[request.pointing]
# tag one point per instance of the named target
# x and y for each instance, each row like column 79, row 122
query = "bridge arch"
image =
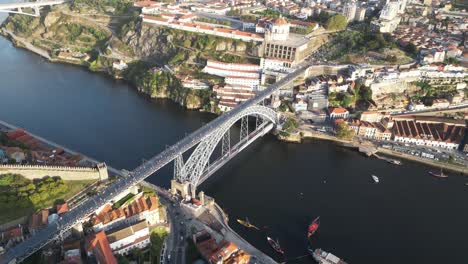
column 193, row 169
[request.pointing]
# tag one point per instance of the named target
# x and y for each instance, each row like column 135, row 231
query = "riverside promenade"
column 308, row 133
column 21, row 42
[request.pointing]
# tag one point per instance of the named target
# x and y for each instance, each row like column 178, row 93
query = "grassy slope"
column 10, row 213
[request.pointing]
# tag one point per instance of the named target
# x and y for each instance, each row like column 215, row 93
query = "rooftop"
column 126, row 232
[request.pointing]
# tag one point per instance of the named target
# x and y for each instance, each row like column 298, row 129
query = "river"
column 409, row 217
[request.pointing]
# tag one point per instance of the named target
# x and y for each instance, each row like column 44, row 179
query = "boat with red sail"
column 275, row 245
column 313, row 227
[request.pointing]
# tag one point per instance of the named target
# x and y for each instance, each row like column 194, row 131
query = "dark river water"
column 409, row 217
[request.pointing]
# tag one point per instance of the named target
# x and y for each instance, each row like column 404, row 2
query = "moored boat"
column 439, row 175
column 313, row 227
column 275, row 245
column 247, row 223
column 323, row 257
column 375, row 178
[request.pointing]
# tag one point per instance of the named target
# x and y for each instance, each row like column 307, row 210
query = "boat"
column 439, row 175
column 395, row 162
column 375, row 178
column 275, row 245
column 247, row 223
column 323, row 257
column 313, row 227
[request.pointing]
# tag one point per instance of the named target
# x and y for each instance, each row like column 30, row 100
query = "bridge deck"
column 50, row 232
column 31, row 4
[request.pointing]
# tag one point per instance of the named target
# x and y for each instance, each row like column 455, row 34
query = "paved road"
column 455, row 108
column 28, row 45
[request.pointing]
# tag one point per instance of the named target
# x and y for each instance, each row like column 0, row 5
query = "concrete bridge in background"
column 18, row 8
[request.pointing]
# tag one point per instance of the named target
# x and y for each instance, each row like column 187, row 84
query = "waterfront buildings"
column 371, row 130
column 428, row 131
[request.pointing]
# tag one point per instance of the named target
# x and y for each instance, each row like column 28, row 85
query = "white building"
column 276, row 65
column 349, row 10
column 277, row 30
column 360, row 14
column 389, row 11
column 124, row 240
column 232, row 69
column 338, row 113
column 252, row 82
column 203, row 29
column 195, row 84
column 428, row 131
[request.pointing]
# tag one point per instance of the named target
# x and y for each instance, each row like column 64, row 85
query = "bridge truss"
column 198, row 165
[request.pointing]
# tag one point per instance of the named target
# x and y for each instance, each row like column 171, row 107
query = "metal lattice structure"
column 209, row 133
column 198, row 161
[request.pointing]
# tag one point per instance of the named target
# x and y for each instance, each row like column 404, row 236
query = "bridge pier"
column 182, row 189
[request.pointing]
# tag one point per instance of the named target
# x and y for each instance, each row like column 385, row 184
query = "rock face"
column 162, row 44
column 150, row 42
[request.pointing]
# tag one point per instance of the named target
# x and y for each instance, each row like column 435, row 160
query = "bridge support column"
column 226, row 143
column 182, row 189
column 244, row 127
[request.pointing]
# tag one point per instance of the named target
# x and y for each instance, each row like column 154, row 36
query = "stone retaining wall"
column 66, row 173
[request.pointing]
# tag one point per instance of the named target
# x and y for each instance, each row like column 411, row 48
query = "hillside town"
column 383, row 77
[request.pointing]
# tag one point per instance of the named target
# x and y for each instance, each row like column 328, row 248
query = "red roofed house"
column 143, row 208
column 62, row 208
column 38, row 220
column 338, row 112
column 98, row 246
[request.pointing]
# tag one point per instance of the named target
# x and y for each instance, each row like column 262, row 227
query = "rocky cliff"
column 166, row 45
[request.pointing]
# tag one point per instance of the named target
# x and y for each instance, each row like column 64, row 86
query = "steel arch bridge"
column 202, row 136
column 198, row 163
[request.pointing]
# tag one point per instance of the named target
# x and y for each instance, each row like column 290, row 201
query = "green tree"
column 336, row 22
column 343, row 131
column 411, row 49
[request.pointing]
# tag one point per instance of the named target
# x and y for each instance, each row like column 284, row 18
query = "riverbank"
column 307, row 134
column 168, row 86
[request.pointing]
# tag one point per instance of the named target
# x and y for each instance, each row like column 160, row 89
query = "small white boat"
column 375, row 178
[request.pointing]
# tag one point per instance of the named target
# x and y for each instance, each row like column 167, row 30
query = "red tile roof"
column 62, row 208
column 337, row 110
column 99, row 245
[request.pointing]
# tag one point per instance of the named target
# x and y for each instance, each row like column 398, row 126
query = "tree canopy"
column 336, row 22
column 343, row 131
